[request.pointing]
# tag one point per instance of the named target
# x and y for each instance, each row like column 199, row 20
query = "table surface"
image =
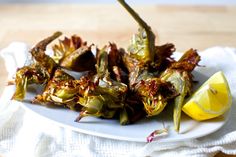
column 197, row 27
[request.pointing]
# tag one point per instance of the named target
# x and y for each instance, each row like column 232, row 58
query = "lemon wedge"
column 211, row 100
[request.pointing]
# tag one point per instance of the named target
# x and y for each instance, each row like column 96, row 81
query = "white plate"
column 135, row 132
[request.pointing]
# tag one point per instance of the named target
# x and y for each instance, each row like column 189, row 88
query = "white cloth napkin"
column 25, row 134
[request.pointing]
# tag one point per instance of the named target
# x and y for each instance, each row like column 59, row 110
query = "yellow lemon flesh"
column 211, row 100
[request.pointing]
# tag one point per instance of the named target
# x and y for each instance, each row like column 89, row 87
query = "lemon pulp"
column 211, row 100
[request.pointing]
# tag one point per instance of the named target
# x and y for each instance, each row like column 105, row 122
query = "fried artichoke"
column 38, row 72
column 114, row 82
column 179, row 74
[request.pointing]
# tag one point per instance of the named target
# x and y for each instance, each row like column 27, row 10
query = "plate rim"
column 117, row 137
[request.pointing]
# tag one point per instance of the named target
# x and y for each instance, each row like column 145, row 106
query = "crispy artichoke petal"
column 143, row 44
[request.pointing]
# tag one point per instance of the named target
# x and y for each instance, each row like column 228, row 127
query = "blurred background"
column 183, row 22
column 177, row 2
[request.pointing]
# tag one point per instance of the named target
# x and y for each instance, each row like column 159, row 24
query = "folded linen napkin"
column 23, row 133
